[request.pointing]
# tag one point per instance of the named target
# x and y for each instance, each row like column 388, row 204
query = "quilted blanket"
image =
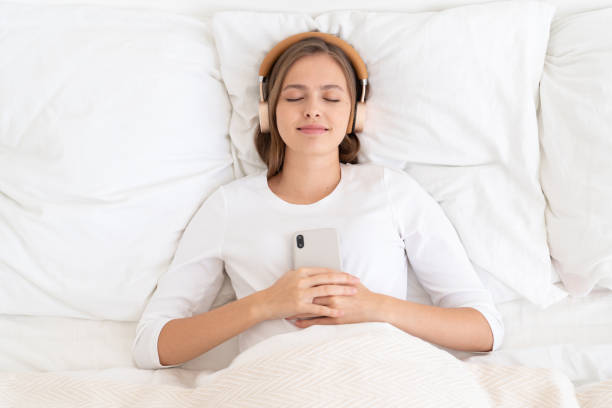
column 357, row 365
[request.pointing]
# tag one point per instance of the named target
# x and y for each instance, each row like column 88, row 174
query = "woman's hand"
column 295, row 291
column 360, row 307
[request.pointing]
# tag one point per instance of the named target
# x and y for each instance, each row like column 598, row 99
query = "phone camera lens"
column 300, row 241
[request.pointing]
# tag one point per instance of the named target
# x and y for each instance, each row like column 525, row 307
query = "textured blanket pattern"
column 362, row 365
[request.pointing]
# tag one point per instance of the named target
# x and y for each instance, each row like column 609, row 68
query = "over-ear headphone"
column 357, row 118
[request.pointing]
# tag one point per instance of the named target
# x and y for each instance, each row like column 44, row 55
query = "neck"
column 306, row 180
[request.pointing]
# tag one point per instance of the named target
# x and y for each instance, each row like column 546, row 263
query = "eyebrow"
column 324, row 87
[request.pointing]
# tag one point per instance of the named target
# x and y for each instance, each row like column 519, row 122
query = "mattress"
column 573, row 336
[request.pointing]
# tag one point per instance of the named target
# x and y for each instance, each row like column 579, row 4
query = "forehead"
column 315, row 70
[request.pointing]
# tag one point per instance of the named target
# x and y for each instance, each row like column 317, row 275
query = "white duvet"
column 367, row 364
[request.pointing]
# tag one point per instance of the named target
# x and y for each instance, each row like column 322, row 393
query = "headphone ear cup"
column 351, row 122
column 264, row 122
column 360, row 115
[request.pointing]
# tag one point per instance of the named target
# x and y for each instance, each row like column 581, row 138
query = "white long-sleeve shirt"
column 393, row 235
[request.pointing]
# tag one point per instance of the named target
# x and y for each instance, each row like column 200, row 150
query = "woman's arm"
column 184, row 339
column 464, row 316
column 462, row 328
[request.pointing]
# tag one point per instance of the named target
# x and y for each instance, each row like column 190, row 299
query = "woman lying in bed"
column 388, row 226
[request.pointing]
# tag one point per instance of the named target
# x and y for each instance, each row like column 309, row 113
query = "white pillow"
column 576, row 135
column 113, row 131
column 453, row 102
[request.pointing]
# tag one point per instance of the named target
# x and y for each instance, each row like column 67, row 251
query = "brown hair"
column 270, row 146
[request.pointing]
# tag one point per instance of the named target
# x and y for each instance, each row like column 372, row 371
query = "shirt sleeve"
column 192, row 281
column 436, row 253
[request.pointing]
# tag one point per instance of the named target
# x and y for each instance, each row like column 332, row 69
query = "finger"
column 300, row 316
column 322, row 300
column 325, row 311
column 313, row 270
column 307, row 323
column 331, row 290
column 331, row 278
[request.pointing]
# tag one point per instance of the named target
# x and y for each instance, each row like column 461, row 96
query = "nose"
column 312, row 110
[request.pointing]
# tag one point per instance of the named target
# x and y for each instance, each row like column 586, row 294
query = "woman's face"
column 314, row 106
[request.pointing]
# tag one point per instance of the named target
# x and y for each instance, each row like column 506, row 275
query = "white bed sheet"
column 201, row 8
column 573, row 336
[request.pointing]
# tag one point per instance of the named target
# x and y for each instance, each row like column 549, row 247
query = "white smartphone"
column 319, row 248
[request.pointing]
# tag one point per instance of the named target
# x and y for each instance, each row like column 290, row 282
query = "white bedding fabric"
column 113, row 131
column 366, row 364
column 201, row 8
column 573, row 336
column 575, row 129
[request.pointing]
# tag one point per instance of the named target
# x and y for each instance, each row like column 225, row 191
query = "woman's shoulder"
column 365, row 170
column 393, row 177
column 398, row 183
column 249, row 182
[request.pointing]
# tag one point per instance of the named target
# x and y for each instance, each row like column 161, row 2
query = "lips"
column 312, row 129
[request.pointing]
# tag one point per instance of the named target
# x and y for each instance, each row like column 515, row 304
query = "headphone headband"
column 272, row 56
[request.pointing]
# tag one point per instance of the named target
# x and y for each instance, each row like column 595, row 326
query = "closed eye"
column 297, row 99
